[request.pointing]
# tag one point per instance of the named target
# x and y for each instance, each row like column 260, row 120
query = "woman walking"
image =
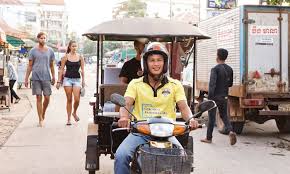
column 12, row 79
column 73, row 80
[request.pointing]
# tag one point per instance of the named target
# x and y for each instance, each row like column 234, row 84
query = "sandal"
column 17, row 101
column 68, row 124
column 76, row 117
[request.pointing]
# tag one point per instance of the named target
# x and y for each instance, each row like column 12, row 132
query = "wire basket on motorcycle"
column 171, row 160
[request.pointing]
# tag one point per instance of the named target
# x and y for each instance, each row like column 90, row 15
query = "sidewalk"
column 9, row 120
column 55, row 148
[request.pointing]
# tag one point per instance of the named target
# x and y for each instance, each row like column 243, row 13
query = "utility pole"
column 199, row 11
column 170, row 9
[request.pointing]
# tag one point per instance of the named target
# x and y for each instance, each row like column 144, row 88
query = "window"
column 30, row 16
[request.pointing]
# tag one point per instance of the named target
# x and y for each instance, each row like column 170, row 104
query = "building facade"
column 184, row 10
column 33, row 16
column 211, row 8
column 54, row 20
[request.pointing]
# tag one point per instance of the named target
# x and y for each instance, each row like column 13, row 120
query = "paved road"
column 257, row 152
column 253, row 154
column 59, row 149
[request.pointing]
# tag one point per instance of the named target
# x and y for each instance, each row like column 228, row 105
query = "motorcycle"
column 159, row 155
column 175, row 34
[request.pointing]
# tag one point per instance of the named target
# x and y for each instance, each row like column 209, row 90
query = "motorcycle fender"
column 92, row 152
column 92, row 128
column 157, row 144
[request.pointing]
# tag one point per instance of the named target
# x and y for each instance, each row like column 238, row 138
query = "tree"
column 277, row 2
column 130, row 8
column 112, row 45
column 89, row 47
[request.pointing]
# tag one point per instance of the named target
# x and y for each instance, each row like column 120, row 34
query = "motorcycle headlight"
column 161, row 129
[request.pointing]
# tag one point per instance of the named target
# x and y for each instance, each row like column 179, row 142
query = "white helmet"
column 155, row 48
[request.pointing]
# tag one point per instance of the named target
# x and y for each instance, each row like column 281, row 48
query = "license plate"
column 157, row 144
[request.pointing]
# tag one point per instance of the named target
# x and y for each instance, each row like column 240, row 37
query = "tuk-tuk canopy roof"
column 129, row 29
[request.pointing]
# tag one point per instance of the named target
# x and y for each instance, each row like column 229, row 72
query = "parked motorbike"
column 159, row 155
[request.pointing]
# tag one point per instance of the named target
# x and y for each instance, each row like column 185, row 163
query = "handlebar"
column 120, row 129
column 117, row 128
column 200, row 126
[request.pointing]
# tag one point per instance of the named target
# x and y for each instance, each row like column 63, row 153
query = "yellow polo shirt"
column 159, row 103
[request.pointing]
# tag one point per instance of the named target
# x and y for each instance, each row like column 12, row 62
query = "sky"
column 85, row 14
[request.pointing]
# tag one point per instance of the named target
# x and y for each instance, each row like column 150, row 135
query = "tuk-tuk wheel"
column 92, row 172
column 112, row 156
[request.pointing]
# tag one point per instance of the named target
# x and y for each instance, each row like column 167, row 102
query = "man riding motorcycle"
column 154, row 94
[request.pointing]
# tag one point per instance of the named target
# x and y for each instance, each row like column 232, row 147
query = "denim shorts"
column 40, row 87
column 72, row 82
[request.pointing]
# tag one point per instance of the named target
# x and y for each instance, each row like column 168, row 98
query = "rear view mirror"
column 206, row 106
column 118, row 100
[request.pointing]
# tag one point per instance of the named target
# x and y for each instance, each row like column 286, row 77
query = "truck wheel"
column 238, row 127
column 92, row 172
column 283, row 124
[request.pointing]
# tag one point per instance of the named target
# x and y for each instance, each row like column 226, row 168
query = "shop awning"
column 14, row 41
column 11, row 31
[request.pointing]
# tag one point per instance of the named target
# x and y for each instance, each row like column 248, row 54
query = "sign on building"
column 226, row 36
column 222, row 4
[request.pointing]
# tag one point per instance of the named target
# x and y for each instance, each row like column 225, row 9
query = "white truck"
column 257, row 38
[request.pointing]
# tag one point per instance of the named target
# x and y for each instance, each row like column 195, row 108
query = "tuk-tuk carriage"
column 99, row 138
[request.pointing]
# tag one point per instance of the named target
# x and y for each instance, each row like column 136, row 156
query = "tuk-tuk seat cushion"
column 188, row 93
column 106, row 90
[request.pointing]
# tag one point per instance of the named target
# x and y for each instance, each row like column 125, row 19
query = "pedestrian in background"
column 221, row 78
column 132, row 68
column 41, row 64
column 73, row 80
column 12, row 79
column 21, row 69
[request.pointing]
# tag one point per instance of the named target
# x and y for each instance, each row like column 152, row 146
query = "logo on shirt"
column 165, row 92
column 149, row 111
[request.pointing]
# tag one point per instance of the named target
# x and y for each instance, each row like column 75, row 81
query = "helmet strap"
column 156, row 78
